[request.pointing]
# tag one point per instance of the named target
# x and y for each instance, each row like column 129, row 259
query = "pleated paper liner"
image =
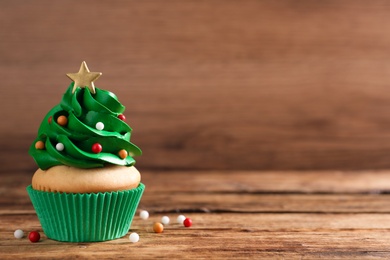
column 86, row 217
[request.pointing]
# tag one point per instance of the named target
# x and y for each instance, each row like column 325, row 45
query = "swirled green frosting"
column 83, row 111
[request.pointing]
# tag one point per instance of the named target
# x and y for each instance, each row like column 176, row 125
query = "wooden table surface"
column 291, row 215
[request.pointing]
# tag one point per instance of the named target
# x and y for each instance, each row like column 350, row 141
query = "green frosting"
column 83, row 111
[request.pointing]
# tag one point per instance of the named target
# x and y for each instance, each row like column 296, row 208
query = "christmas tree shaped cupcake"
column 86, row 187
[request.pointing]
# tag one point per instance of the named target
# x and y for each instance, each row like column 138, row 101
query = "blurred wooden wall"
column 213, row 84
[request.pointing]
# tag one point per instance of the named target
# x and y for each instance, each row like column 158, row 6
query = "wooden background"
column 216, row 84
column 266, row 122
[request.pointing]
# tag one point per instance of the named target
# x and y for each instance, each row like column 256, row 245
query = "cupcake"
column 86, row 188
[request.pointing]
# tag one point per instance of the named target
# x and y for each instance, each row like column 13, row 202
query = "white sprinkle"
column 134, row 237
column 180, row 219
column 165, row 220
column 99, row 126
column 144, row 214
column 60, row 147
column 18, row 234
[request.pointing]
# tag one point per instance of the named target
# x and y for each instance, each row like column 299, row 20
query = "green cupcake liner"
column 86, row 217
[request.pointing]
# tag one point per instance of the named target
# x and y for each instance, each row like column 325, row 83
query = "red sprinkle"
column 97, row 148
column 50, row 118
column 187, row 222
column 34, row 236
column 122, row 117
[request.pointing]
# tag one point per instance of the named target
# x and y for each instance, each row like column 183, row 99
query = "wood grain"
column 242, row 221
column 271, row 236
column 258, row 192
column 210, row 84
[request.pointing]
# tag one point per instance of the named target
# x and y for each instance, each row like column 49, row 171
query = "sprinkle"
column 180, row 219
column 60, row 147
column 165, row 220
column 158, row 227
column 122, row 117
column 122, row 154
column 62, row 120
column 97, row 148
column 134, row 237
column 99, row 126
column 34, row 236
column 144, row 214
column 39, row 145
column 187, row 222
column 18, row 234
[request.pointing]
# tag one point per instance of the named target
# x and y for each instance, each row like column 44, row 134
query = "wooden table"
column 312, row 214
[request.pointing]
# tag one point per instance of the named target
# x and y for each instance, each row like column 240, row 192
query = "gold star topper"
column 84, row 78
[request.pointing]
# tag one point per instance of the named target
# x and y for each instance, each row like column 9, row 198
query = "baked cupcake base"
column 68, row 179
column 86, row 217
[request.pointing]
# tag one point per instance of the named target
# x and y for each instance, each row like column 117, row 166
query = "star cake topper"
column 84, row 78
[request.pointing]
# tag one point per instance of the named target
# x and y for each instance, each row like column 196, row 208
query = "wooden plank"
column 288, row 182
column 210, row 84
column 253, row 203
column 241, row 192
column 249, row 203
column 225, row 235
column 237, row 222
column 277, row 182
column 256, row 219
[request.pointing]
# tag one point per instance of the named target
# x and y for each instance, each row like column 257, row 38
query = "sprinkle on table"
column 18, row 234
column 144, row 214
column 165, row 220
column 187, row 222
column 158, row 227
column 180, row 219
column 134, row 237
column 34, row 236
